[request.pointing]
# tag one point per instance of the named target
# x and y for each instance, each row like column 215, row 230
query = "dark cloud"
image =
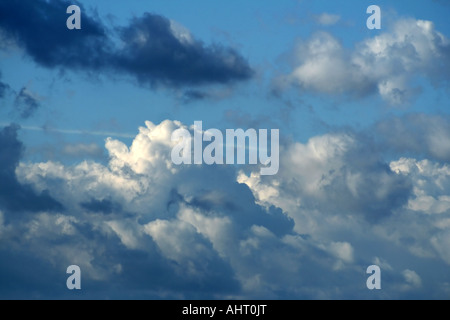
column 14, row 195
column 106, row 206
column 40, row 27
column 26, row 103
column 154, row 51
column 417, row 135
column 156, row 54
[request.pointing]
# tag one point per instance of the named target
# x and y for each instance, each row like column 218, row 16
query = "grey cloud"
column 40, row 27
column 417, row 135
column 327, row 19
column 154, row 50
column 3, row 89
column 14, row 195
column 194, row 95
column 342, row 174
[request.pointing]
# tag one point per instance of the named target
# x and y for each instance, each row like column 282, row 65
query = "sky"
column 86, row 177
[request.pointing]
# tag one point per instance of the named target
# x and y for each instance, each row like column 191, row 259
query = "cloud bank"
column 140, row 226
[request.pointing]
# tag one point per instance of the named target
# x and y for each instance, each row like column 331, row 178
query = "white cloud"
column 181, row 33
column 383, row 64
column 128, row 233
column 301, row 233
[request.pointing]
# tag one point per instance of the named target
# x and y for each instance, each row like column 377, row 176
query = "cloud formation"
column 40, row 28
column 152, row 49
column 156, row 50
column 140, row 226
column 384, row 64
column 338, row 174
column 26, row 103
column 3, row 88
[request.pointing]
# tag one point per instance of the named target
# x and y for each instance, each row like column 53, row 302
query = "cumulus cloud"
column 384, row 64
column 144, row 204
column 27, row 103
column 139, row 226
column 430, row 198
column 152, row 48
column 323, row 67
column 335, row 189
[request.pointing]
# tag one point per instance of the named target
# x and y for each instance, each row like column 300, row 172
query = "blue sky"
column 364, row 162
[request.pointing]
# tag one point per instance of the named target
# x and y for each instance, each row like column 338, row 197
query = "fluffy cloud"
column 140, row 226
column 383, row 64
column 189, row 220
column 152, row 49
